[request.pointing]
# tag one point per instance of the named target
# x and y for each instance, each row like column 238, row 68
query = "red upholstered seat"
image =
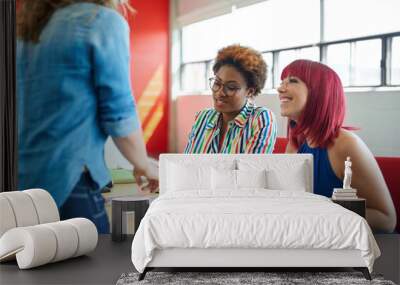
column 390, row 167
column 280, row 145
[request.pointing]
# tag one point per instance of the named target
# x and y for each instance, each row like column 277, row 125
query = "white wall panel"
column 190, row 11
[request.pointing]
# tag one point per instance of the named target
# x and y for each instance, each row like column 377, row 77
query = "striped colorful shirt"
column 253, row 130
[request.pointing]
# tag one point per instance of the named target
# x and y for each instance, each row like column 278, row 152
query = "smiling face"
column 230, row 91
column 293, row 94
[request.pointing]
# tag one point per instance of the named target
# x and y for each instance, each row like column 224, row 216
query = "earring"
column 251, row 99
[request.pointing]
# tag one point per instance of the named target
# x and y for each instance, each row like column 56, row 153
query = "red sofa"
column 389, row 167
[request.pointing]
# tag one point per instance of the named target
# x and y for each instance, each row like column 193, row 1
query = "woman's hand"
column 147, row 179
column 145, row 170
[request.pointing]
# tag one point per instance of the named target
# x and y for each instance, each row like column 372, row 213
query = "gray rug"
column 230, row 278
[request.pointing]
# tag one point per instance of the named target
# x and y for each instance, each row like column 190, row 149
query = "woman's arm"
column 133, row 149
column 116, row 108
column 264, row 131
column 290, row 148
column 367, row 179
column 200, row 122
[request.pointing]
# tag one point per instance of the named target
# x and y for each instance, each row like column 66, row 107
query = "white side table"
column 120, row 205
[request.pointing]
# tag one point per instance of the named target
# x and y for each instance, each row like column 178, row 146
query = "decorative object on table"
column 347, row 192
column 344, row 194
column 244, row 278
column 31, row 231
column 347, row 174
column 122, row 209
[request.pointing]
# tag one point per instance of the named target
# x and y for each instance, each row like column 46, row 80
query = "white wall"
column 376, row 113
column 378, row 116
column 190, row 11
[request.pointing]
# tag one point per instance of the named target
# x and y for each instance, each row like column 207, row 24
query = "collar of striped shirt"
column 240, row 120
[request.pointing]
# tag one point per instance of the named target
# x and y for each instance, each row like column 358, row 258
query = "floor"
column 388, row 264
column 102, row 266
column 110, row 259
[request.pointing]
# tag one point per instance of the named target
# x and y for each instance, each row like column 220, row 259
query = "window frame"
column 385, row 64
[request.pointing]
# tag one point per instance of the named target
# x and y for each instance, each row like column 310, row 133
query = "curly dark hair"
column 247, row 61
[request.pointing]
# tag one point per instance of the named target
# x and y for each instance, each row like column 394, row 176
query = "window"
column 269, row 60
column 344, row 19
column 286, row 57
column 210, row 72
column 394, row 78
column 193, row 77
column 357, row 63
column 367, row 60
column 338, row 58
column 275, row 24
column 349, row 42
column 202, row 40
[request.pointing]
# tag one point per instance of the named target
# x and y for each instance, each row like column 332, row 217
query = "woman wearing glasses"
column 235, row 124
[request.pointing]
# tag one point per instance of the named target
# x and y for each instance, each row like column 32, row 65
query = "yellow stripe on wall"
column 154, row 121
column 151, row 93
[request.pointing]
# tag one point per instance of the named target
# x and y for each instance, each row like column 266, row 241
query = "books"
column 122, row 176
column 344, row 194
column 340, row 190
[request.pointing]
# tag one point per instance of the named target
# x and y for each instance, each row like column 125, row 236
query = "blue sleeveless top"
column 324, row 177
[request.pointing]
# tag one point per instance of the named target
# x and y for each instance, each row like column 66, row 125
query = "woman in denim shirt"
column 73, row 91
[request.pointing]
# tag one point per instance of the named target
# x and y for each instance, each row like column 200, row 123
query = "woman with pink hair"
column 312, row 97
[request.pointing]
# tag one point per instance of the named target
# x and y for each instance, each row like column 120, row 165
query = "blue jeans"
column 86, row 201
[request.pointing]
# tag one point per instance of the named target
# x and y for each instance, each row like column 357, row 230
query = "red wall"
column 149, row 59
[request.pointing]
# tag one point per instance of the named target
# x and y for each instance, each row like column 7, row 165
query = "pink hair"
column 324, row 112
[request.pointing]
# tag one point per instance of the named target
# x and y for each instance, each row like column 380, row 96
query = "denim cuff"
column 121, row 128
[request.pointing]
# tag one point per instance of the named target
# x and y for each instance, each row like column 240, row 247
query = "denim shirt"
column 73, row 91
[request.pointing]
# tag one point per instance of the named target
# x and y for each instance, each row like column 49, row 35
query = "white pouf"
column 31, row 230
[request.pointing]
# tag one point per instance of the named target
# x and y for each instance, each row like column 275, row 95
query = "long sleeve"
column 264, row 131
column 116, row 105
column 192, row 135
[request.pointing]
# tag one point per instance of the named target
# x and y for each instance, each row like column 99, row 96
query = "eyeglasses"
column 229, row 89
